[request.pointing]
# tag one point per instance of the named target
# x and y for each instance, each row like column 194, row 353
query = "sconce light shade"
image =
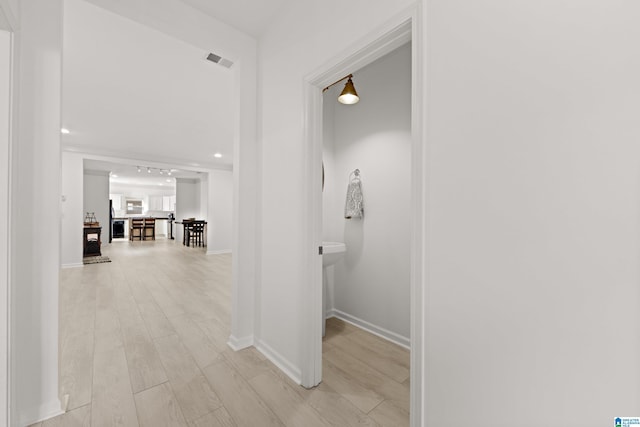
column 349, row 94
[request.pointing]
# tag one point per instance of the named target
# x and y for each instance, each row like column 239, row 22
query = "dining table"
column 188, row 225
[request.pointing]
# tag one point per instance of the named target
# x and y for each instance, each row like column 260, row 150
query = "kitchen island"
column 162, row 227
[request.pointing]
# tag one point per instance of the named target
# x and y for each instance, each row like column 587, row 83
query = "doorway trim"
column 404, row 27
column 9, row 20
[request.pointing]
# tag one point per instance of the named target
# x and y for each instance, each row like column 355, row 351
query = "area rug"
column 95, row 259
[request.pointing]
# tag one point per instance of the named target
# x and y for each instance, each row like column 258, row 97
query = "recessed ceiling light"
column 139, row 170
column 64, row 131
column 168, row 180
column 148, row 170
column 217, row 155
column 160, row 183
column 114, row 176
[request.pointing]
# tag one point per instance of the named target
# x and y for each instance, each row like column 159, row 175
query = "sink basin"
column 332, row 252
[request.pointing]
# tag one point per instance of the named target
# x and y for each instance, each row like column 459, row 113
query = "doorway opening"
column 366, row 238
column 396, row 33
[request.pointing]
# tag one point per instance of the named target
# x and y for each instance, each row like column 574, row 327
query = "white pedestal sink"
column 331, row 253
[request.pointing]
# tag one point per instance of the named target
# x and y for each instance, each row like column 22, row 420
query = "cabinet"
column 169, row 203
column 117, row 201
column 155, row 203
column 92, row 242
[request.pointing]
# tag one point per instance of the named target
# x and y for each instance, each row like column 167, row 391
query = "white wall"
column 534, row 212
column 204, row 197
column 35, row 212
column 220, row 218
column 10, row 8
column 5, row 128
column 372, row 284
column 140, row 191
column 187, row 202
column 72, row 210
column 301, row 39
column 96, row 198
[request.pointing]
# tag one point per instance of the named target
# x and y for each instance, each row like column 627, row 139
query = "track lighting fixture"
column 151, row 170
column 348, row 95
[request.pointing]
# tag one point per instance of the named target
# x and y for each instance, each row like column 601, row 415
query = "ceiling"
column 128, row 175
column 249, row 16
column 132, row 92
column 4, row 24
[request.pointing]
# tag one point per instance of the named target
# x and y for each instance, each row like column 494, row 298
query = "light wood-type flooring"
column 143, row 343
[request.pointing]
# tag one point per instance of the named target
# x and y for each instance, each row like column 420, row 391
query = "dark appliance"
column 118, row 229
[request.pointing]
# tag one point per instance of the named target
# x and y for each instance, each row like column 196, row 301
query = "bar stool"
column 149, row 225
column 136, row 224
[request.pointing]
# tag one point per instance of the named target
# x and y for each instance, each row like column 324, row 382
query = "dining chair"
column 196, row 233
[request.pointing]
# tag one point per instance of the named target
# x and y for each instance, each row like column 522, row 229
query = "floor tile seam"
column 150, row 387
column 126, row 357
column 164, row 315
column 368, row 365
column 374, row 408
column 356, row 378
column 388, row 349
column 200, row 370
column 303, row 399
column 260, row 399
column 193, row 422
column 93, row 352
column 211, row 388
column 213, row 341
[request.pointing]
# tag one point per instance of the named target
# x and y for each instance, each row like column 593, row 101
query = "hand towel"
column 353, row 207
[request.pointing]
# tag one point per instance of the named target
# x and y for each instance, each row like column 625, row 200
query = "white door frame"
column 5, row 219
column 397, row 31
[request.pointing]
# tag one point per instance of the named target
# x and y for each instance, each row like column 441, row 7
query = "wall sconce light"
column 348, row 95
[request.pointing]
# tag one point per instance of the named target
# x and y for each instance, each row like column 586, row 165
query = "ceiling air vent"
column 219, row 60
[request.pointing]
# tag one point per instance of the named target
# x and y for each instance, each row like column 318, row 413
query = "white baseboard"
column 73, row 265
column 281, row 362
column 240, row 343
column 43, row 413
column 219, row 252
column 370, row 327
